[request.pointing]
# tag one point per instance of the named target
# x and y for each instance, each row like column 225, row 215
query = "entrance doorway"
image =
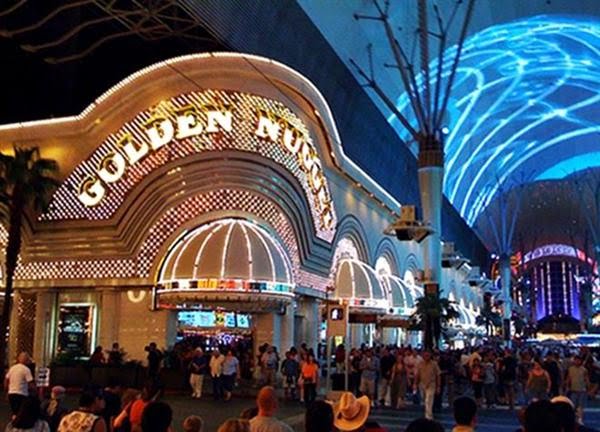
column 222, row 330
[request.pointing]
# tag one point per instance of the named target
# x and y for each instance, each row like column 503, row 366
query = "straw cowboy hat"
column 564, row 399
column 351, row 413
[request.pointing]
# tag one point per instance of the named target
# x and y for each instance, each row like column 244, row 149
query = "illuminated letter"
column 292, row 135
column 222, row 118
column 307, row 157
column 323, row 198
column 187, row 124
column 266, row 127
column 327, row 218
column 160, row 133
column 92, row 192
column 132, row 152
column 316, row 176
column 112, row 168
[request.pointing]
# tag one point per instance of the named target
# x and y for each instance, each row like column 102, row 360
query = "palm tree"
column 488, row 317
column 26, row 183
column 432, row 314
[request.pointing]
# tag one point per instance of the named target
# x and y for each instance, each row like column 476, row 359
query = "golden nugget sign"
column 201, row 123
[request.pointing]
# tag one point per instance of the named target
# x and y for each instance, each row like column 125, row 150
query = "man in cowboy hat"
column 351, row 414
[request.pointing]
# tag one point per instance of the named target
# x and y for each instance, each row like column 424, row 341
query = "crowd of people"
column 395, row 376
column 557, row 383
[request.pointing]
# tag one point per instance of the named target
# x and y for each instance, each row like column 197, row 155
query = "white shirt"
column 216, row 365
column 19, row 376
column 410, row 363
column 268, row 424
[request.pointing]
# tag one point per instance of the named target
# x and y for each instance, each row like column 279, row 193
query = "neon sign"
column 205, row 125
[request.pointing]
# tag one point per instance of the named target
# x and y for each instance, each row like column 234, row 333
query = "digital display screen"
column 230, row 319
column 197, row 319
column 74, row 329
column 243, row 321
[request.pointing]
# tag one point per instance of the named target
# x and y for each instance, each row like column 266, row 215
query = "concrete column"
column 311, row 322
column 267, row 329
column 357, row 335
column 13, row 328
column 110, row 306
column 505, row 276
column 389, row 335
column 287, row 330
column 139, row 325
column 44, row 328
column 430, row 185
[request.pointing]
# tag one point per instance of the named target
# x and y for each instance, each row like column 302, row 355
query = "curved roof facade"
column 358, row 283
column 228, row 249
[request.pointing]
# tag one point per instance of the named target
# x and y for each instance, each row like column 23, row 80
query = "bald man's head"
column 266, row 401
column 23, row 358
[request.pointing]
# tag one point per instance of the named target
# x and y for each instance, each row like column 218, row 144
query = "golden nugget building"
column 208, row 194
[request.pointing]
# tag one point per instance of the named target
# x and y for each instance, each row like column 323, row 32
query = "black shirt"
column 386, row 364
column 198, row 365
column 154, row 358
column 509, row 369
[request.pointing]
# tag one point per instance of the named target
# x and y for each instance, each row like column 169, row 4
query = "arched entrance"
column 229, row 282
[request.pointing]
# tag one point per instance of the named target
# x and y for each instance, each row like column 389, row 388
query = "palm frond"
column 45, row 166
column 29, row 175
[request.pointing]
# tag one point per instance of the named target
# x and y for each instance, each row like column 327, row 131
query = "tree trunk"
column 428, row 337
column 13, row 248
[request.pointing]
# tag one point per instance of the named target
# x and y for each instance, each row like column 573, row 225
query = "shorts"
column 579, row 399
column 15, row 400
column 367, row 387
column 289, row 382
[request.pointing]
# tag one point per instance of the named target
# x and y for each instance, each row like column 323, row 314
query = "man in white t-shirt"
column 19, row 382
column 216, row 370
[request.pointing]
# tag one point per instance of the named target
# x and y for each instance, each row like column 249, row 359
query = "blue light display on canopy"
column 525, row 104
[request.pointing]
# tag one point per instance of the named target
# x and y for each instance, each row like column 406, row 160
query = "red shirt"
column 136, row 411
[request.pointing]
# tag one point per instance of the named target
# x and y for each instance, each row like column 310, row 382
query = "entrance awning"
column 357, row 284
column 401, row 296
column 229, row 263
